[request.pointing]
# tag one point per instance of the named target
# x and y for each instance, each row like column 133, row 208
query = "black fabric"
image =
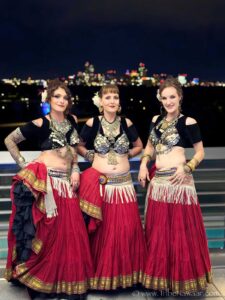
column 130, row 131
column 41, row 134
column 88, row 133
column 194, row 134
column 23, row 225
column 86, row 218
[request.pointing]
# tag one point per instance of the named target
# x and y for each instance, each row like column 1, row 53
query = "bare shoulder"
column 90, row 122
column 38, row 122
column 75, row 118
column 129, row 122
column 190, row 121
column 155, row 118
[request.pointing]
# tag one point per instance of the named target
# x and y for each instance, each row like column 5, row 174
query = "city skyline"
column 48, row 39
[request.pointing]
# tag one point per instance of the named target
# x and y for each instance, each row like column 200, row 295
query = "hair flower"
column 96, row 99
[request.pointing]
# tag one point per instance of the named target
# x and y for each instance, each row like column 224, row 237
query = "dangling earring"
column 180, row 108
column 100, row 109
column 162, row 111
column 119, row 109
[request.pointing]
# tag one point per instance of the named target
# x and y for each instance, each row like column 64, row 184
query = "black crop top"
column 48, row 138
column 95, row 139
column 177, row 134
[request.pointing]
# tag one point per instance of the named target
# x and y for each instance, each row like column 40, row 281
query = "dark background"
column 48, row 39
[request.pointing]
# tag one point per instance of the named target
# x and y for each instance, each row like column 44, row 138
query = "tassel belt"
column 166, row 172
column 116, row 179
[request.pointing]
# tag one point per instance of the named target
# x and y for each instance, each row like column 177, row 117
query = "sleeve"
column 132, row 133
column 86, row 133
column 152, row 125
column 194, row 134
column 29, row 130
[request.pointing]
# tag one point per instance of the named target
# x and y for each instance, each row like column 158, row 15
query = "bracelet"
column 146, row 155
column 187, row 169
column 192, row 164
column 21, row 161
column 89, row 155
column 75, row 168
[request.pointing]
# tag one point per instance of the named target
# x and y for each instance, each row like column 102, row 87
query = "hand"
column 75, row 180
column 143, row 175
column 178, row 177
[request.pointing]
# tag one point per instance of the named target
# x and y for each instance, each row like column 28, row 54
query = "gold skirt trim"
column 8, row 273
column 30, row 177
column 192, row 285
column 91, row 209
column 69, row 288
column 112, row 283
column 36, row 245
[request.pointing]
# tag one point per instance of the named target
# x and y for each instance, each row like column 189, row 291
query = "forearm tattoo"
column 11, row 141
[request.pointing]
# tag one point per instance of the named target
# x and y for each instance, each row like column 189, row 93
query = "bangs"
column 110, row 89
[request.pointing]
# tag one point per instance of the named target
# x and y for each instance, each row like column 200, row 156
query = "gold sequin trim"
column 8, row 273
column 37, row 245
column 90, row 209
column 112, row 283
column 30, row 177
column 68, row 288
column 192, row 285
column 14, row 253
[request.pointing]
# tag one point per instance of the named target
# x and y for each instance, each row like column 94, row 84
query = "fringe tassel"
column 164, row 191
column 63, row 187
column 119, row 193
column 64, row 190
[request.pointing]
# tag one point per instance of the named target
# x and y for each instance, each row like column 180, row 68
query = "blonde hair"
column 108, row 88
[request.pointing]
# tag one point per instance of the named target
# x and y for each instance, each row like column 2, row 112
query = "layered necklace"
column 167, row 128
column 111, row 131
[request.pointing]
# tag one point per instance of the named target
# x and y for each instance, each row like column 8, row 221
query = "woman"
column 108, row 196
column 48, row 242
column 177, row 252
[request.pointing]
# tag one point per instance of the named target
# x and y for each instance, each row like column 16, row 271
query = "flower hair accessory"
column 158, row 95
column 44, row 96
column 96, row 99
column 44, row 93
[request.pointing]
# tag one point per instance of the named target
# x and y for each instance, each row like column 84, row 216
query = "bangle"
column 21, row 161
column 146, row 155
column 192, row 164
column 89, row 155
column 75, row 168
column 187, row 169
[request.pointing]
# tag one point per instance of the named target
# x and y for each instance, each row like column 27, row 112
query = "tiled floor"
column 215, row 291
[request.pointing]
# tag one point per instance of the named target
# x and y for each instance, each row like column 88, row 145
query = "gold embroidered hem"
column 112, row 283
column 8, row 273
column 187, row 286
column 31, row 179
column 36, row 245
column 90, row 209
column 69, row 288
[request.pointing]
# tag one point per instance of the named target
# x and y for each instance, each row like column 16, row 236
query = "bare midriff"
column 173, row 159
column 60, row 159
column 101, row 164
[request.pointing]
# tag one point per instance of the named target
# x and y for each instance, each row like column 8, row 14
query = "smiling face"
column 59, row 100
column 170, row 100
column 110, row 102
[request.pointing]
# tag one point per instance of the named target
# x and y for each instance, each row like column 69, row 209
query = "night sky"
column 50, row 38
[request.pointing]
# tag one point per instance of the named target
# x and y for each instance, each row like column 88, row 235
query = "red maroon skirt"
column 117, row 244
column 60, row 260
column 177, row 252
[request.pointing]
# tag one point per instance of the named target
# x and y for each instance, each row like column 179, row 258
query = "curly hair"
column 53, row 85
